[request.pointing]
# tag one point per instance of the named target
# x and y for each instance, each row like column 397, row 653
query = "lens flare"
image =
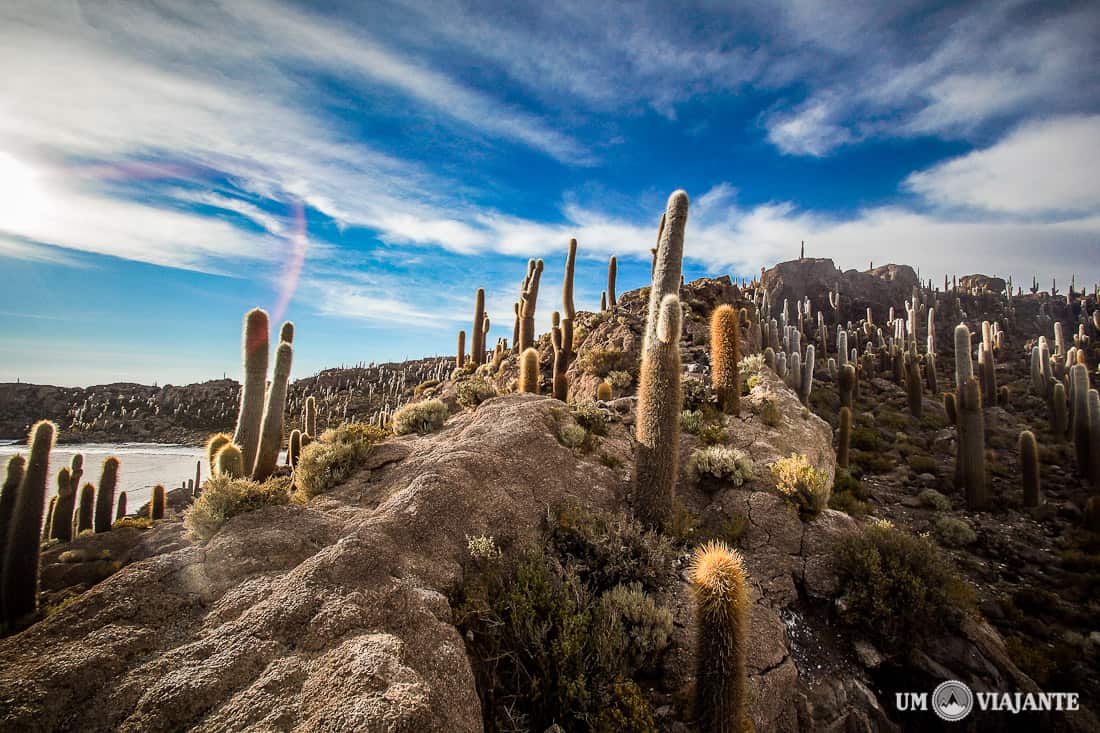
column 297, row 243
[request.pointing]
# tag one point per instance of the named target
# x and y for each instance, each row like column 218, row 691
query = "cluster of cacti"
column 720, row 586
column 659, row 389
column 26, row 484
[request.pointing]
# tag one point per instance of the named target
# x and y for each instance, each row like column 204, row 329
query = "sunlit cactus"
column 214, row 444
column 723, row 599
column 105, row 496
column 228, row 462
column 477, row 335
column 460, row 357
column 85, row 514
column 529, row 371
column 568, row 309
column 254, row 347
column 528, row 300
column 964, row 366
column 19, row 591
column 658, row 420
column 559, row 384
column 725, row 353
column 603, row 392
column 1059, row 412
column 271, row 431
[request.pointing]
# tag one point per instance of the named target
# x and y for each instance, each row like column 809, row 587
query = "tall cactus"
column 515, row 328
column 720, row 586
column 970, row 457
column 846, row 383
column 215, row 443
column 13, row 476
column 612, row 273
column 294, row 448
column 964, row 366
column 527, row 302
column 1059, row 416
column 844, row 439
column 529, row 371
column 105, row 497
column 121, row 506
column 1094, row 439
column 807, row 380
column 460, row 358
column 1079, row 391
column 658, row 421
column 271, row 432
column 568, row 309
column 725, row 353
column 667, row 261
column 477, row 335
column 19, row 593
column 254, row 346
column 61, row 521
column 85, row 515
column 914, row 387
column 156, row 504
column 560, row 386
column 309, row 418
column 1029, row 467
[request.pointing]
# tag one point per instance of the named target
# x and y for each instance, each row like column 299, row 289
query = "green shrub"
column 924, row 464
column 601, row 362
column 752, row 381
column 719, row 463
column 591, row 417
column 420, row 417
column 863, row 462
column 801, row 484
column 769, row 413
column 426, row 387
column 691, row 421
column 609, row 548
column 223, row 497
column 932, row 499
column 631, row 630
column 864, row 439
column 713, row 435
column 353, row 432
column 324, row 465
column 899, row 587
column 625, row 712
column 135, row 522
column 750, row 365
column 954, row 532
column 696, row 393
column 472, row 392
column 849, row 495
column 611, row 460
column 620, row 379
column 573, row 436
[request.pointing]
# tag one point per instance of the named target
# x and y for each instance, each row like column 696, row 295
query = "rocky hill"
column 371, row 606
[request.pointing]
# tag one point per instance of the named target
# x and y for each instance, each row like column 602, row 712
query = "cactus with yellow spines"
column 61, row 520
column 720, row 587
column 19, row 589
column 667, row 261
column 228, row 462
column 254, row 348
column 105, row 496
column 1029, row 467
column 529, row 371
column 214, row 444
column 477, row 334
column 725, row 354
column 271, row 431
column 156, row 504
column 658, row 421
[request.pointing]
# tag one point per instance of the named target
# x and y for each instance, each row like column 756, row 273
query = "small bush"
column 752, row 381
column 632, row 630
column 899, row 587
column 713, row 435
column 609, row 548
column 691, row 421
column 620, row 379
column 135, row 522
column 802, row 484
column 611, row 460
column 73, row 556
column 750, row 365
column 849, row 495
column 719, row 463
column 864, row 439
column 769, row 413
column 353, row 432
column 482, row 547
column 954, row 532
column 420, row 417
column 573, row 436
column 224, row 497
column 591, row 417
column 601, row 362
column 473, row 392
column 696, row 394
column 924, row 464
column 324, row 465
column 932, row 499
column 426, row 387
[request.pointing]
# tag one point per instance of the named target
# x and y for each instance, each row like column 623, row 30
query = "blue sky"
column 364, row 167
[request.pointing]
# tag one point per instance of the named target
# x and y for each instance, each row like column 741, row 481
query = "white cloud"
column 1044, row 166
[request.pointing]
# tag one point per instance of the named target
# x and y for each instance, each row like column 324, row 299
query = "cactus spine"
column 1029, row 467
column 529, row 371
column 725, row 353
column 477, row 335
column 1079, row 391
column 970, row 457
column 844, row 440
column 121, row 506
column 156, row 505
column 271, row 431
column 105, row 497
column 612, row 273
column 19, row 593
column 61, row 522
column 254, row 345
column 228, row 462
column 722, row 602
